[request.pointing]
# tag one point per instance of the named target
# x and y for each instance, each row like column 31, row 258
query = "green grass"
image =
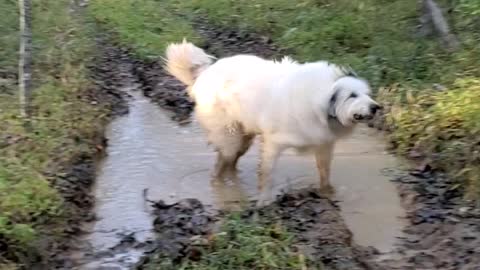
column 243, row 244
column 8, row 37
column 146, row 27
column 380, row 44
column 64, row 125
column 376, row 37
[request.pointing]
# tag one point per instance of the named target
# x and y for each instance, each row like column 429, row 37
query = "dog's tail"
column 185, row 61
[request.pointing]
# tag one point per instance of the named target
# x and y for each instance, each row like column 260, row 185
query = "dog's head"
column 351, row 102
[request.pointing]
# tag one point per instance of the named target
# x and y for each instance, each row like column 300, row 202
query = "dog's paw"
column 262, row 203
column 264, row 199
column 327, row 190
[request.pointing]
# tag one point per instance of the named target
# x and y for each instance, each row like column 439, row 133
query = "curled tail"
column 185, row 61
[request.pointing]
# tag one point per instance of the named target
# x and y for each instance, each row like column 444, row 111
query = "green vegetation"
column 145, row 26
column 64, row 126
column 8, row 37
column 442, row 126
column 242, row 244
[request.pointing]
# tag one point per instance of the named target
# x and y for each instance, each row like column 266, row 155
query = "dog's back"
column 240, row 86
column 261, row 95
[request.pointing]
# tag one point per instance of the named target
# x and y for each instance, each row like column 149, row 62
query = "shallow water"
column 148, row 151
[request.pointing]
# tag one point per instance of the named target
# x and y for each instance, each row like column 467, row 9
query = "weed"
column 445, row 128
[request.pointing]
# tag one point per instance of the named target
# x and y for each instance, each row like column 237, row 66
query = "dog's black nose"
column 374, row 108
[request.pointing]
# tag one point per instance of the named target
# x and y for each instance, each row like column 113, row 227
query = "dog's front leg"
column 323, row 158
column 268, row 158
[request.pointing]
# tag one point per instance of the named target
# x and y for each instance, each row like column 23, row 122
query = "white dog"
column 302, row 106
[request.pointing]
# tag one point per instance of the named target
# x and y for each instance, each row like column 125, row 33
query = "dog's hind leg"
column 221, row 165
column 230, row 146
column 268, row 159
column 246, row 142
column 323, row 158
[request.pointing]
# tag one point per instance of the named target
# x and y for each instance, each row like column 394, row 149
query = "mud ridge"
column 319, row 230
column 314, row 220
column 444, row 229
column 177, row 226
column 163, row 89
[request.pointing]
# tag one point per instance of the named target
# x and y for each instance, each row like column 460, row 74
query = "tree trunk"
column 433, row 19
column 25, row 55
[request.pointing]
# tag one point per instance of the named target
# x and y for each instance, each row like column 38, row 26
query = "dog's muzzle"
column 374, row 108
column 372, row 111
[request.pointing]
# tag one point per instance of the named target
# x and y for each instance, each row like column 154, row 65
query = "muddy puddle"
column 150, row 155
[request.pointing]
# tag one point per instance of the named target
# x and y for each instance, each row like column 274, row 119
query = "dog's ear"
column 332, row 104
column 348, row 71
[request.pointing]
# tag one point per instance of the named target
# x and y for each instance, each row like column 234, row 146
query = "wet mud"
column 444, row 229
column 319, row 230
column 443, row 233
column 178, row 226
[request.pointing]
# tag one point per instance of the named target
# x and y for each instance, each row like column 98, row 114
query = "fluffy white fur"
column 302, row 106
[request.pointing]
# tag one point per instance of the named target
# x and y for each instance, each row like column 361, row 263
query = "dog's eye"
column 353, row 95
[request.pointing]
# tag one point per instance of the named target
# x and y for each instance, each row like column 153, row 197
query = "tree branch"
column 25, row 55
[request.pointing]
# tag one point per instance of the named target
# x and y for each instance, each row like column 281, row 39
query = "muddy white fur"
column 306, row 107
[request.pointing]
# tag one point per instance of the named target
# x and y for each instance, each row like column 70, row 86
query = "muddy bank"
column 177, row 226
column 444, row 230
column 319, row 232
column 76, row 178
column 164, row 90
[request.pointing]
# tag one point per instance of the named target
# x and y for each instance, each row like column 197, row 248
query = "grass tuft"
column 243, row 244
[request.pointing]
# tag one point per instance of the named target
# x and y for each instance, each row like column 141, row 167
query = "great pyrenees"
column 306, row 107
